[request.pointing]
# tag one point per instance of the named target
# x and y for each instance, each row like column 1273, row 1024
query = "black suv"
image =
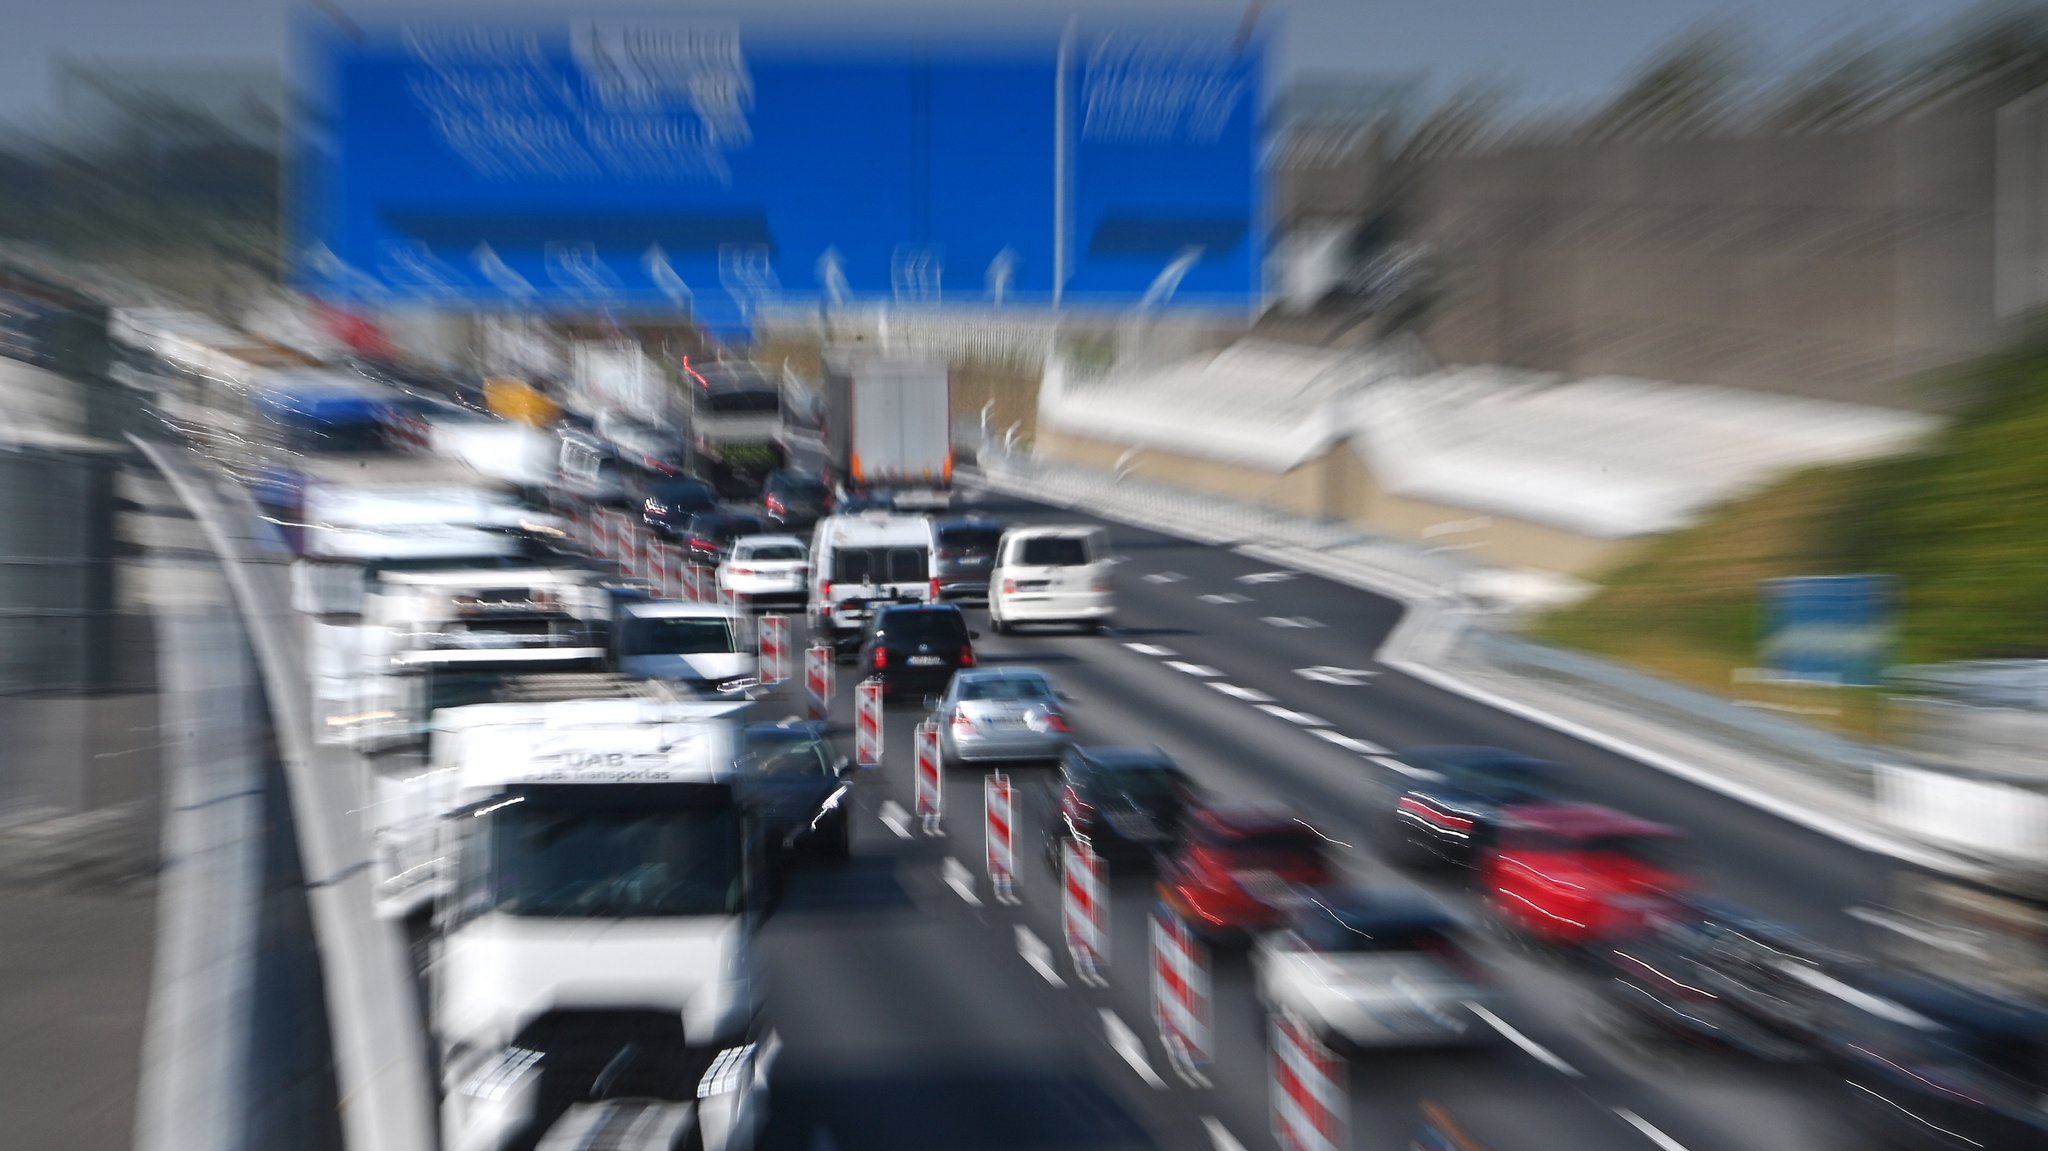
column 915, row 648
column 966, row 549
column 1129, row 803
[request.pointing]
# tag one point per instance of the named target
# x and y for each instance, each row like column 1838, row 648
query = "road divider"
column 931, row 780
column 1084, row 911
column 818, row 671
column 1002, row 860
column 1311, row 1098
column 867, row 723
column 1180, row 996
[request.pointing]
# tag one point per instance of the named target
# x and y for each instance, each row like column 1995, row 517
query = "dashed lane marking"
column 1151, row 649
column 1223, row 597
column 1126, row 1043
column 960, row 880
column 895, row 818
column 1249, row 695
column 1301, row 717
column 1196, row 669
column 1541, row 1053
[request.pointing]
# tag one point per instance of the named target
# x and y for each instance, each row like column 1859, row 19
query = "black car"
column 1927, row 1064
column 1716, row 975
column 915, row 648
column 709, row 535
column 1452, row 814
column 795, row 782
column 795, row 501
column 667, row 504
column 966, row 549
column 1130, row 804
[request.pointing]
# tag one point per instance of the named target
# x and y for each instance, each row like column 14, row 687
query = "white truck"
column 594, row 949
column 890, row 426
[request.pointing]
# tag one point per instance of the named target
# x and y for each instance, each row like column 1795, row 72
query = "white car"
column 1373, row 969
column 1051, row 575
column 766, row 571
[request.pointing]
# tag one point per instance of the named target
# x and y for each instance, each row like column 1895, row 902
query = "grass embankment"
column 1963, row 524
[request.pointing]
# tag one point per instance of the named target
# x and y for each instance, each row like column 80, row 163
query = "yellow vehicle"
column 515, row 399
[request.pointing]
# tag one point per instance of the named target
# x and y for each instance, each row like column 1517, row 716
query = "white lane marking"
column 1341, row 676
column 1876, row 918
column 1224, row 597
column 1301, row 717
column 1347, row 743
column 1266, row 577
column 1198, row 669
column 1249, row 695
column 1543, row 1054
column 960, row 880
column 1152, row 649
column 1220, row 1138
column 1296, row 621
column 1126, row 1043
column 895, row 818
column 1038, row 954
column 1165, row 577
column 1663, row 1141
column 1407, row 769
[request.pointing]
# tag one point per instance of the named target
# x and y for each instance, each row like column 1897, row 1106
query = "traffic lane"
column 1779, row 867
column 1239, row 755
column 1155, row 563
column 906, row 1020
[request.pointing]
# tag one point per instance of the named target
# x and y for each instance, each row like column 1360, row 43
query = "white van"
column 866, row 558
column 1051, row 575
column 706, row 647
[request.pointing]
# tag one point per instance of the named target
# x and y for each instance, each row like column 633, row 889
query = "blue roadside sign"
column 1829, row 629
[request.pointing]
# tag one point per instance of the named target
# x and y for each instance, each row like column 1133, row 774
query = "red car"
column 1233, row 874
column 1571, row 874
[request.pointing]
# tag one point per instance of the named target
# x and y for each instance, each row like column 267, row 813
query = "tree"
column 1685, row 88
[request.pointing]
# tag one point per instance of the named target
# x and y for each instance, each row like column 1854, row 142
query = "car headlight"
column 729, row 1072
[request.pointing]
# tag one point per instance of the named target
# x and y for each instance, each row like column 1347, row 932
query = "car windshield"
column 880, row 565
column 968, row 537
column 917, row 626
column 1274, row 851
column 1147, row 786
column 741, row 401
column 1363, row 936
column 770, row 552
column 790, row 754
column 1009, row 687
column 1053, row 551
column 615, row 862
column 796, row 488
column 675, row 635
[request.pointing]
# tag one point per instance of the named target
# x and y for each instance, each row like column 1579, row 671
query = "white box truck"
column 595, row 945
column 889, row 426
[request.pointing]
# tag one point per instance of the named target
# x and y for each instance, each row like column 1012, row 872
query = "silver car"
column 990, row 714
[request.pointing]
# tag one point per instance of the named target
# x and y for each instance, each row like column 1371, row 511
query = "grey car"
column 994, row 714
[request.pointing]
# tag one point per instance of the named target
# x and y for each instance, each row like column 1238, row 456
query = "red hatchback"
column 1571, row 874
column 1233, row 874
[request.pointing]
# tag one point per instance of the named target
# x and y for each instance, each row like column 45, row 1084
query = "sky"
column 1546, row 51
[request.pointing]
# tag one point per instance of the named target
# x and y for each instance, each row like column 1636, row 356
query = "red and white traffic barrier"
column 677, row 575
column 930, row 775
column 774, row 658
column 1311, row 1095
column 1084, row 911
column 600, row 533
column 643, row 556
column 818, row 681
column 701, row 581
column 657, row 569
column 867, row 723
column 1180, row 994
column 997, row 807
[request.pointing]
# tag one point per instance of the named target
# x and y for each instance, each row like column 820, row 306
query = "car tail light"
column 962, row 723
column 1054, row 721
column 775, row 506
column 935, row 590
column 825, row 590
column 1100, row 584
column 949, row 555
column 1009, row 587
column 881, row 658
column 741, row 571
column 703, row 545
column 966, row 657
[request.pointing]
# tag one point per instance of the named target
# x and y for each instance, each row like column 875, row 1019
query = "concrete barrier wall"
column 1841, row 265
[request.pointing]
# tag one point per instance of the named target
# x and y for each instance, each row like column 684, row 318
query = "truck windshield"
column 675, row 635
column 614, row 861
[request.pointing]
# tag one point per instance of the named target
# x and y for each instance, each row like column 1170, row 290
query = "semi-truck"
column 889, row 426
column 594, row 947
column 737, row 425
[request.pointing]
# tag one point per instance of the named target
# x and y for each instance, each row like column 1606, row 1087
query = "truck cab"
column 595, row 941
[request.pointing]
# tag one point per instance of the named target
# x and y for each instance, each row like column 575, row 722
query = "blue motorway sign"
column 638, row 164
column 1829, row 629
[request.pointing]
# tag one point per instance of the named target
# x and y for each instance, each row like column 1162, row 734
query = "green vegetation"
column 1960, row 524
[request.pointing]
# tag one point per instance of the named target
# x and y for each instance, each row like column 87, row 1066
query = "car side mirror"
column 973, row 635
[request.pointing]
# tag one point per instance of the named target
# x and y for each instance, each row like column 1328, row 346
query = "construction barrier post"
column 997, row 807
column 1310, row 1095
column 1084, row 911
column 1180, row 996
column 867, row 723
column 774, row 658
column 818, row 681
column 930, row 778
